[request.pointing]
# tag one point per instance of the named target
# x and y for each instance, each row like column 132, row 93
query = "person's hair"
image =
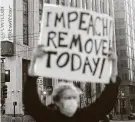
column 61, row 87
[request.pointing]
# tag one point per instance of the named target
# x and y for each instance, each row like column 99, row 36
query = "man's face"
column 69, row 94
column 68, row 103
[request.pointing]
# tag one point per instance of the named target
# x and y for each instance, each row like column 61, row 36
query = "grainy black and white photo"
column 67, row 60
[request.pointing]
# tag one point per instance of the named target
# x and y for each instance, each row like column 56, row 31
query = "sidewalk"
column 118, row 117
column 25, row 118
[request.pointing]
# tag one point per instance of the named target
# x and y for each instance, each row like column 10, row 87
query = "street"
column 58, row 53
column 122, row 121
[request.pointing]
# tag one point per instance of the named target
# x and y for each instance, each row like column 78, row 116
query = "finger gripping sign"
column 77, row 44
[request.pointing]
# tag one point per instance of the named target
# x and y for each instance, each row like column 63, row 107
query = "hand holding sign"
column 38, row 52
column 77, row 44
column 114, row 59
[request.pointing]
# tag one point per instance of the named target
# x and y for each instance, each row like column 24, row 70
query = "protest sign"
column 77, row 44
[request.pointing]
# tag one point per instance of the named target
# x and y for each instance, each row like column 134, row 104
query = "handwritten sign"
column 77, row 44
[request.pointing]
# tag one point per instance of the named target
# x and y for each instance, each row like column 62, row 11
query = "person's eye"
column 67, row 98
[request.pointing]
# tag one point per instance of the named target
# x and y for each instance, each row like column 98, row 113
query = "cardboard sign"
column 77, row 44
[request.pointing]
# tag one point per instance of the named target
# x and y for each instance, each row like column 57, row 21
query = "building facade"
column 24, row 32
column 20, row 28
column 124, row 11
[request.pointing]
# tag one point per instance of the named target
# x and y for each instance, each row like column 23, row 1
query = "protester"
column 66, row 98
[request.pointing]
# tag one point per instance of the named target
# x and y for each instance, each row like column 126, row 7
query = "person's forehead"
column 69, row 92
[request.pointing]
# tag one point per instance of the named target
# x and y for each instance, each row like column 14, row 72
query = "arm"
column 104, row 104
column 31, row 101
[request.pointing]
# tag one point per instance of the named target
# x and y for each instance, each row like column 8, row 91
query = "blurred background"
column 20, row 29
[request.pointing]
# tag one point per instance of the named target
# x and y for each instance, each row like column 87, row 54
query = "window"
column 117, row 42
column 47, row 82
column 25, row 22
column 122, row 41
column 25, row 65
column 132, row 53
column 122, row 31
column 63, row 2
column 40, row 12
column 88, row 90
column 122, row 53
column 110, row 10
column 86, row 4
column 71, row 2
column 40, row 8
column 124, row 64
column 117, row 32
column 119, row 21
column 25, row 34
column 117, row 52
column 132, row 89
column 132, row 105
column 59, row 80
column 101, row 6
column 98, row 88
column 130, row 41
column 125, row 76
column 57, row 2
column 25, row 8
column 94, row 5
column 134, row 75
column 47, row 1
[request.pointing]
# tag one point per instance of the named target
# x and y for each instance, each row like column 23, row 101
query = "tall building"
column 20, row 33
column 124, row 11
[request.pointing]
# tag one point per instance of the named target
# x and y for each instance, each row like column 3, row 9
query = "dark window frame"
column 25, row 23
